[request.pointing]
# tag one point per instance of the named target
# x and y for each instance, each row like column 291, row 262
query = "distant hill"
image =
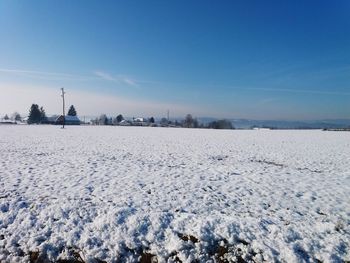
column 281, row 124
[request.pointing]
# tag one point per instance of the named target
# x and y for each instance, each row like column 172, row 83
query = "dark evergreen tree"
column 106, row 121
column 43, row 117
column 72, row 111
column 120, row 118
column 195, row 123
column 34, row 114
column 6, row 117
column 151, row 120
column 221, row 124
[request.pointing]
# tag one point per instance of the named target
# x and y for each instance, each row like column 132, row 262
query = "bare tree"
column 188, row 122
column 16, row 116
column 164, row 122
column 103, row 120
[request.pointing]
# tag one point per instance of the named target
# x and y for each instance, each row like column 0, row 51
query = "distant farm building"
column 3, row 121
column 51, row 119
column 140, row 122
column 69, row 120
column 124, row 123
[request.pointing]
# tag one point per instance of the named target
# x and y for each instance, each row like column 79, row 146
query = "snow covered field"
column 123, row 194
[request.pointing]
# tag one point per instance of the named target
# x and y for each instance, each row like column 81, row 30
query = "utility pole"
column 64, row 115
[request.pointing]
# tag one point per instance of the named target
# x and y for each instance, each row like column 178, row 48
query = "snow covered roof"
column 3, row 121
column 69, row 118
column 139, row 120
column 124, row 123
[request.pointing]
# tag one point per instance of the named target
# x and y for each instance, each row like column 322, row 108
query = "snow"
column 122, row 194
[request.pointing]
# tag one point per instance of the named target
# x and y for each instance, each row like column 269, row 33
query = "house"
column 124, row 123
column 140, row 122
column 261, row 129
column 3, row 121
column 69, row 120
column 51, row 120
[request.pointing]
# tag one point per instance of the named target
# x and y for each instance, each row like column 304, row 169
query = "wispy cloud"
column 268, row 101
column 104, row 75
column 126, row 80
column 88, row 103
column 46, row 75
column 97, row 75
column 129, row 81
column 118, row 78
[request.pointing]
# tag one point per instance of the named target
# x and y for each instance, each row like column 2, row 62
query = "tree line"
column 37, row 115
column 188, row 122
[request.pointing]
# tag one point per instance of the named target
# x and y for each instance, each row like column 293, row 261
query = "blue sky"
column 234, row 59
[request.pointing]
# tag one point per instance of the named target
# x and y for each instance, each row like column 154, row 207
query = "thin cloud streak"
column 118, row 78
column 46, row 75
column 104, row 75
column 309, row 91
column 88, row 103
column 129, row 81
column 287, row 90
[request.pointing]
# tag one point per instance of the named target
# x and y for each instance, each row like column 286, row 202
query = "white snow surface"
column 116, row 193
